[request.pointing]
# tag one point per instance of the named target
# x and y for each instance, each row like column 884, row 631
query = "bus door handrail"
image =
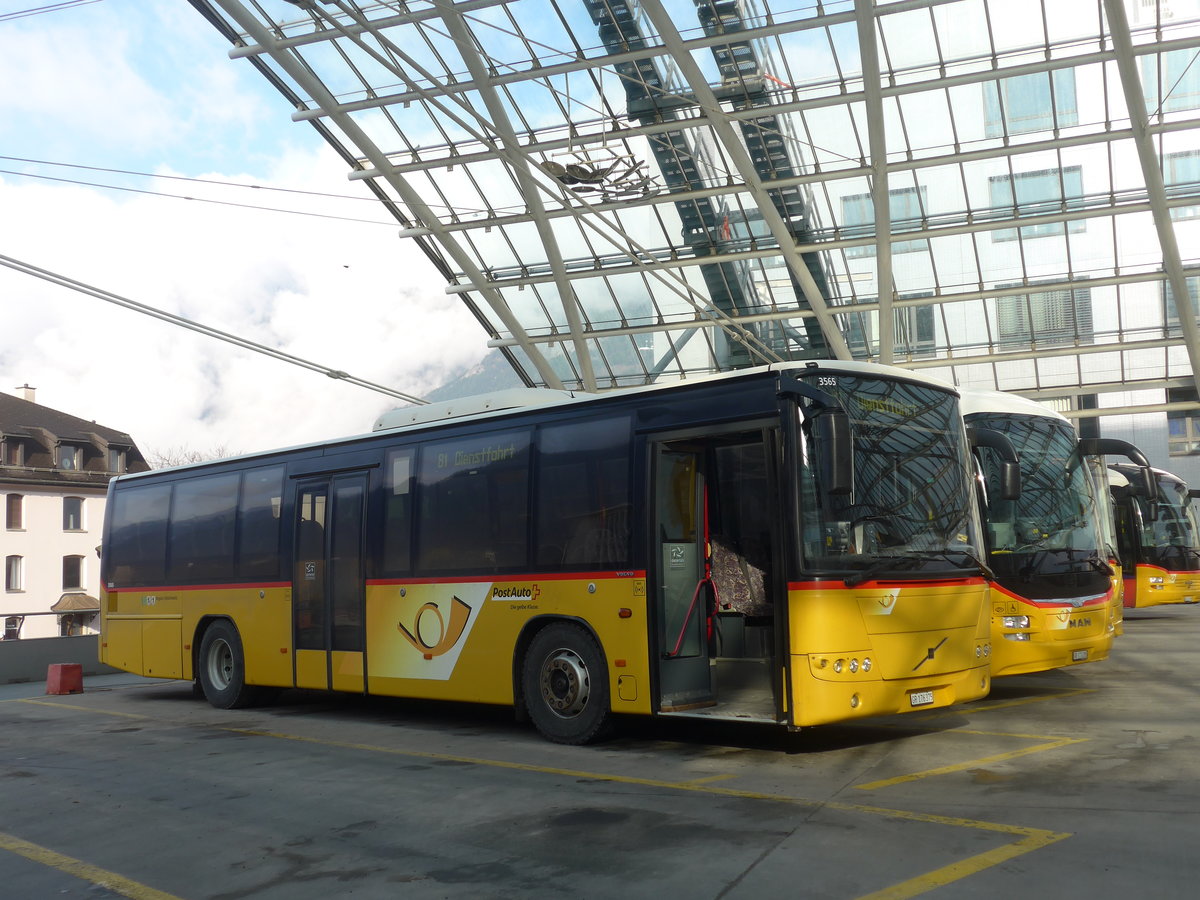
column 707, row 579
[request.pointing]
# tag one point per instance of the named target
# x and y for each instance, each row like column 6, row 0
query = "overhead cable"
column 208, row 331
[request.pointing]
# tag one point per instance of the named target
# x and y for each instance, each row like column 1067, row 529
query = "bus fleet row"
column 796, row 544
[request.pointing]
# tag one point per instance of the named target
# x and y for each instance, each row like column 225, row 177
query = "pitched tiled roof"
column 41, row 429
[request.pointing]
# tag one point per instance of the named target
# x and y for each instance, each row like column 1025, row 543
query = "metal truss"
column 629, row 190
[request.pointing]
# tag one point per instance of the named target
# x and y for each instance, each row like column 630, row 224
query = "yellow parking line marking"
column 967, row 709
column 85, row 871
column 972, row 763
column 91, row 709
column 709, row 780
column 963, row 868
column 1028, row 839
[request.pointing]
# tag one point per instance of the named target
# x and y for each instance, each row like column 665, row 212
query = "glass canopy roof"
column 1003, row 192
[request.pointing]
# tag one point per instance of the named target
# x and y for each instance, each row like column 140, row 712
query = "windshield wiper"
column 881, row 564
column 976, row 562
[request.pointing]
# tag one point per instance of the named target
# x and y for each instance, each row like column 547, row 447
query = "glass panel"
column 911, row 470
column 397, row 512
column 137, row 543
column 583, row 505
column 72, row 573
column 346, row 564
column 309, row 603
column 259, row 524
column 203, row 521
column 72, row 514
column 1037, row 193
column 474, row 503
column 14, row 508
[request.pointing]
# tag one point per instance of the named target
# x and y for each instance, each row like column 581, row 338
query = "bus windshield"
column 910, row 512
column 1056, row 525
column 1170, row 537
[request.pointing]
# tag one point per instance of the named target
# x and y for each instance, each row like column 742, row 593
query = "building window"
column 1173, row 85
column 72, row 573
column 14, row 512
column 116, row 460
column 1042, row 101
column 1038, row 194
column 905, row 207
column 1049, row 317
column 914, row 329
column 14, row 573
column 1183, row 425
column 1181, row 175
column 68, row 457
column 12, row 452
column 12, row 627
column 72, row 514
column 1171, row 311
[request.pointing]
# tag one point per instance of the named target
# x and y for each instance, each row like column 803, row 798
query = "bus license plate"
column 920, row 698
column 1078, row 655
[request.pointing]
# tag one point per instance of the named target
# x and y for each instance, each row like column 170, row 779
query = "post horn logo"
column 447, row 635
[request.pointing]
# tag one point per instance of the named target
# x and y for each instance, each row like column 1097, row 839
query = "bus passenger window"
column 138, row 534
column 203, row 515
column 583, row 494
column 258, row 525
column 397, row 516
column 474, row 503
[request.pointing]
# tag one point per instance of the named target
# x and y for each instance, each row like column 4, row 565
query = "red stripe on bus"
column 506, row 579
column 871, row 585
column 1098, row 600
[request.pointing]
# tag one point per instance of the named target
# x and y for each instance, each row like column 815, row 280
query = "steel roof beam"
column 868, row 52
column 521, row 167
column 411, row 198
column 1118, row 26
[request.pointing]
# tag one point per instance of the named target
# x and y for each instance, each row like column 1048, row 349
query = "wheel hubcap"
column 565, row 683
column 220, row 665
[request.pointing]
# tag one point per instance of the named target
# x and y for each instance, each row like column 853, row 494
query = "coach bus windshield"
column 1170, row 538
column 910, row 512
column 1054, row 527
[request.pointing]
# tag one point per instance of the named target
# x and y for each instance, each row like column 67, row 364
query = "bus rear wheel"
column 565, row 683
column 222, row 668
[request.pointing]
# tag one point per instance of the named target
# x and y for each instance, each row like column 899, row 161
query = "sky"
column 149, row 88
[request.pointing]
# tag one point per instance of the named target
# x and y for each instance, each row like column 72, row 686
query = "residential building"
column 54, row 473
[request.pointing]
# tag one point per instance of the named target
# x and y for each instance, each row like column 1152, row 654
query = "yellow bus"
column 1056, row 593
column 1158, row 537
column 793, row 545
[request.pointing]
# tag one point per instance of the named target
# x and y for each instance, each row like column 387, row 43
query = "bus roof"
column 979, row 401
column 483, row 407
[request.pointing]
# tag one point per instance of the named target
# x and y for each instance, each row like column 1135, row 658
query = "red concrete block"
column 64, row 678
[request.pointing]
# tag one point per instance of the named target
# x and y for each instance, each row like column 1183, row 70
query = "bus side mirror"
column 1147, row 486
column 831, row 428
column 1010, row 463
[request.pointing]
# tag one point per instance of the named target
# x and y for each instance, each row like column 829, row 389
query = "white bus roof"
column 976, row 401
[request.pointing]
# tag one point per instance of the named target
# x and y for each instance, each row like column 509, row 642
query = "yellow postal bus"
column 1056, row 593
column 794, row 545
column 1158, row 536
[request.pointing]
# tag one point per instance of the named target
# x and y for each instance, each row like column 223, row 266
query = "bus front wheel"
column 222, row 667
column 565, row 684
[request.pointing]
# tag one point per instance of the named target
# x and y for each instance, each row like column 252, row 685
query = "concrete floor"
column 1078, row 783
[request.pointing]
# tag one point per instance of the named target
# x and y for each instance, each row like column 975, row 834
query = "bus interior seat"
column 740, row 584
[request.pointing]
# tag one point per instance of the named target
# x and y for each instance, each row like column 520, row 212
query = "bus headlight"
column 1019, row 636
column 867, row 664
column 839, row 665
column 1016, row 621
